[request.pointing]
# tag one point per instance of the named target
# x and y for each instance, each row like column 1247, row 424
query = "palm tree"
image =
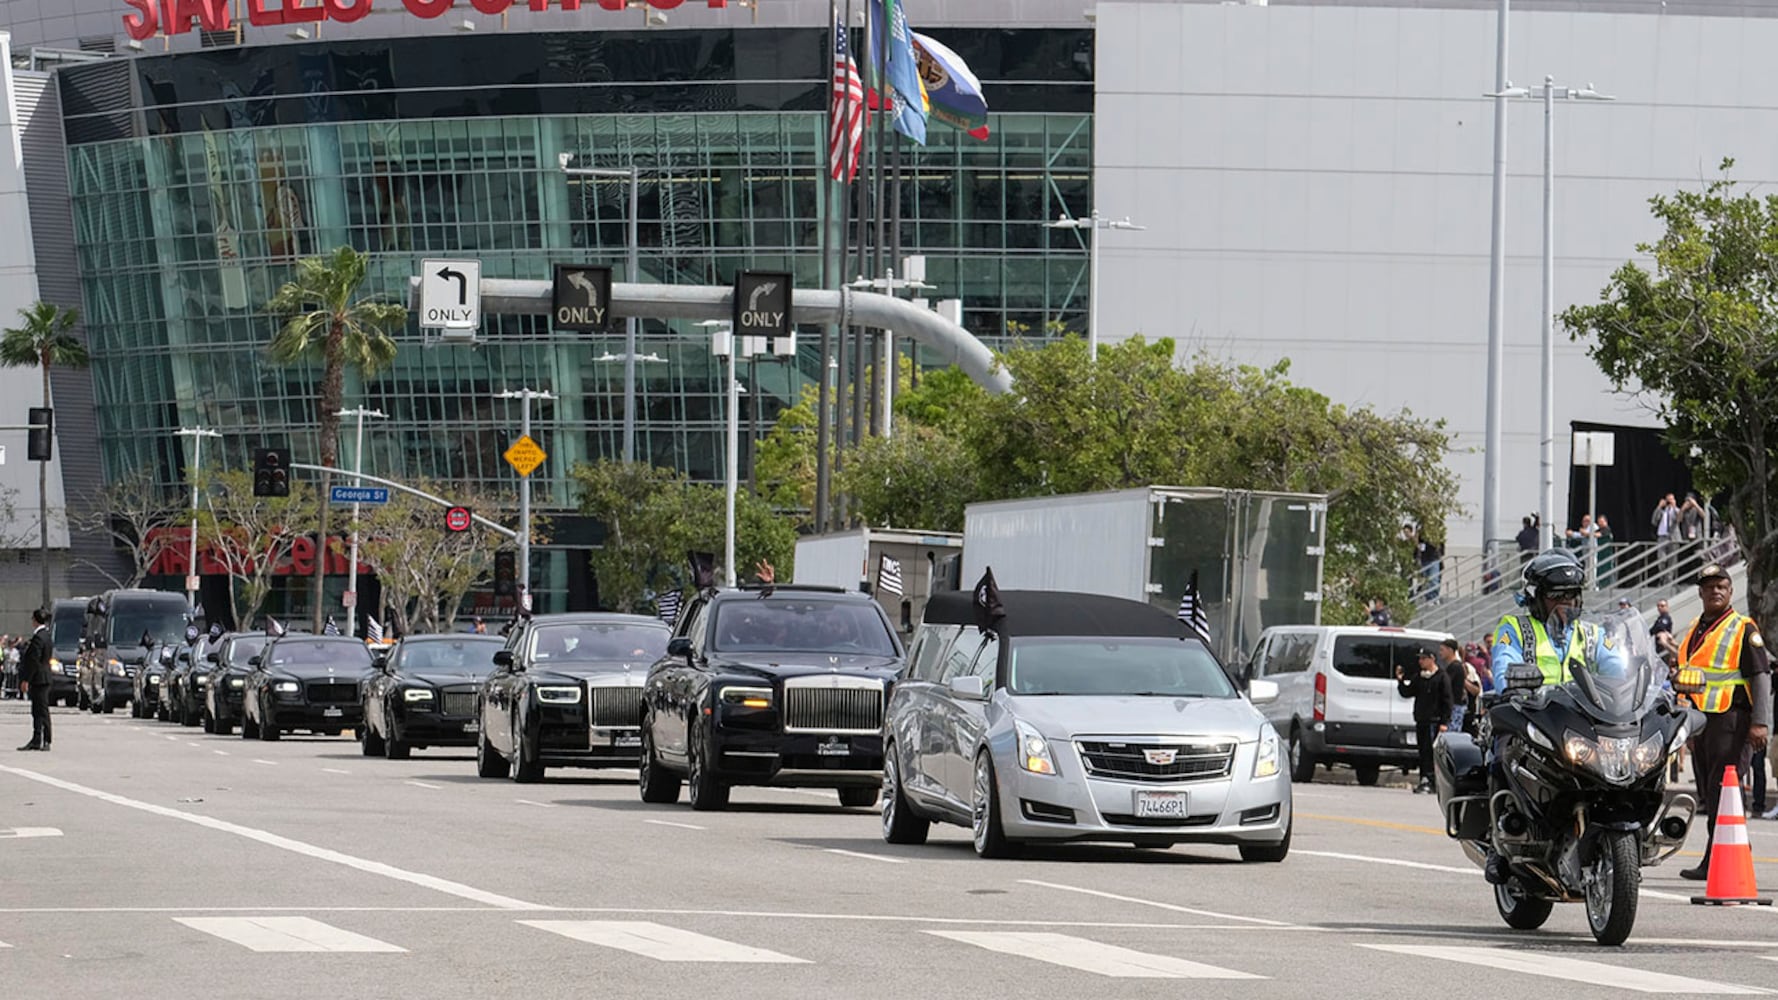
column 45, row 339
column 327, row 323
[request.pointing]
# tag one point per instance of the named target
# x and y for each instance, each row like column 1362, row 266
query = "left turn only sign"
column 451, row 294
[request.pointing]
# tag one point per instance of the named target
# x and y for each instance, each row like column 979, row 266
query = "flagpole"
column 830, row 263
column 879, row 181
column 863, row 192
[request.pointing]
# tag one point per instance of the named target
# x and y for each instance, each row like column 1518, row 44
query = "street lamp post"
column 724, row 342
column 1496, row 299
column 1093, row 223
column 890, row 285
column 632, row 266
column 197, row 435
column 357, row 468
column 1549, row 93
column 525, row 396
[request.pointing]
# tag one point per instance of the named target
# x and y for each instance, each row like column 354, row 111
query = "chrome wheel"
column 984, row 797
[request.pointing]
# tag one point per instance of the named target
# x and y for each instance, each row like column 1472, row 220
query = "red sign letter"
column 212, row 14
column 428, row 8
column 347, row 11
column 296, row 12
column 302, row 556
column 258, row 16
column 540, row 5
column 144, row 22
column 491, row 6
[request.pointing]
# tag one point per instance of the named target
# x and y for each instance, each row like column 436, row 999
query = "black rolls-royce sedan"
column 566, row 692
column 304, row 682
column 423, row 694
column 770, row 686
column 229, row 668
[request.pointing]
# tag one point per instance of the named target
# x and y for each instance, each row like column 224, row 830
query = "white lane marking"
column 1157, row 905
column 663, row 822
column 1572, row 969
column 868, row 857
column 28, row 832
column 1091, row 956
column 173, row 738
column 335, row 770
column 285, row 934
column 1396, row 862
column 285, row 843
column 258, row 760
column 795, row 791
column 421, row 784
column 540, row 805
column 659, row 942
column 191, row 744
column 3, row 944
column 220, row 753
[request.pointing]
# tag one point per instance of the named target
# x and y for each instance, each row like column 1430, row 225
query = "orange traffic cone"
column 1731, row 856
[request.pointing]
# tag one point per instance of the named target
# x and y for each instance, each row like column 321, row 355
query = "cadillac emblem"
column 1159, row 758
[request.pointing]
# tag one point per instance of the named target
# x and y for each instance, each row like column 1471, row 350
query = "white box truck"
column 1257, row 556
column 854, row 560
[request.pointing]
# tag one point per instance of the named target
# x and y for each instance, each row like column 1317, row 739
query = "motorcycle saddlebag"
column 1462, row 772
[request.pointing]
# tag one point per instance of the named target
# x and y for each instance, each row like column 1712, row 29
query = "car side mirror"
column 210, row 658
column 969, row 688
column 253, row 661
column 503, row 658
column 680, row 646
column 1261, row 692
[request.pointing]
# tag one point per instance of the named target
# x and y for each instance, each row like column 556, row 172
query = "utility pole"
column 197, row 435
column 525, row 396
column 357, row 470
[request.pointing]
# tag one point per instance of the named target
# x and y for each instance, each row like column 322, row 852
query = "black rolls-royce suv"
column 305, row 682
column 770, row 686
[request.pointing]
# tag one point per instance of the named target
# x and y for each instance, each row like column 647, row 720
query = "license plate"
column 332, row 712
column 626, row 740
column 835, row 748
column 1411, row 738
column 472, row 726
column 1160, row 805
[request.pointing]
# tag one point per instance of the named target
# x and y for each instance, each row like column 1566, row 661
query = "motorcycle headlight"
column 1266, row 763
column 1649, row 754
column 1034, row 750
column 416, row 694
column 558, row 694
column 1617, row 759
column 1539, row 737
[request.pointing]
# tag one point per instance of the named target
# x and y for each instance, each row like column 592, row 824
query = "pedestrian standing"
column 1432, row 708
column 1380, row 613
column 34, row 677
column 1665, row 521
column 1458, row 675
column 1726, row 648
column 1606, row 574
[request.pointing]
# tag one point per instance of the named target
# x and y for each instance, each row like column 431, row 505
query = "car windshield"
column 796, row 625
column 1100, row 665
column 349, row 654
column 162, row 624
column 587, row 642
column 245, row 648
column 456, row 654
column 66, row 634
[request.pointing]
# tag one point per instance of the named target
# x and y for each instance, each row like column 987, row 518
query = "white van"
column 1337, row 700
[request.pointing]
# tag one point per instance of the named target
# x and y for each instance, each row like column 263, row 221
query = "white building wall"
column 1315, row 183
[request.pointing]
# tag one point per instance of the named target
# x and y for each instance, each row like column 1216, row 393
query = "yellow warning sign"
column 525, row 456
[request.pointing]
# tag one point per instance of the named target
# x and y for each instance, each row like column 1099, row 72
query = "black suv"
column 304, row 682
column 770, row 686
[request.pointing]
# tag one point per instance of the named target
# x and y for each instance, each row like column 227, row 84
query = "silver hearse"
column 1078, row 717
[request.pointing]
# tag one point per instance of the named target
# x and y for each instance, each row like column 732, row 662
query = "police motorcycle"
column 1568, row 781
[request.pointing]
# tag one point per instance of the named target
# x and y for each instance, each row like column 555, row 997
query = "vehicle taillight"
column 1320, row 697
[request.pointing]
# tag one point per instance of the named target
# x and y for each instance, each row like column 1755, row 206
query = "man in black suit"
column 34, row 677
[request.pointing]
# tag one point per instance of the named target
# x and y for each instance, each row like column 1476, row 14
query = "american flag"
column 889, row 576
column 1191, row 610
column 331, row 628
column 845, row 135
column 373, row 629
column 668, row 607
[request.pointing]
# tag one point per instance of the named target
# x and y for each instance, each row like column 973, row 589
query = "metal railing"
column 1467, row 595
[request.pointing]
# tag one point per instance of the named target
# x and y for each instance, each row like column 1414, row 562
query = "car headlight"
column 747, row 697
column 55, row 664
column 114, row 668
column 237, row 682
column 154, row 678
column 416, row 694
column 1034, row 750
column 1265, row 764
column 285, row 687
column 203, row 680
column 558, row 694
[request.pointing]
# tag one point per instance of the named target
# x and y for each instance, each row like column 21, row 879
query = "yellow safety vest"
column 1554, row 668
column 1718, row 658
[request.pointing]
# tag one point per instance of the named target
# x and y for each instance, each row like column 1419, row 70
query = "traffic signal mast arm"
column 422, row 494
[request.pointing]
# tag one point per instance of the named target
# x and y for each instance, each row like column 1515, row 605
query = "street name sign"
column 451, row 294
column 358, row 494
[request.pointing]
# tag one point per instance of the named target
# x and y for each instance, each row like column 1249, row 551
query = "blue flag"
column 903, row 77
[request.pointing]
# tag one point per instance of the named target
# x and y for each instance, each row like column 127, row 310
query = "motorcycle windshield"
column 1620, row 675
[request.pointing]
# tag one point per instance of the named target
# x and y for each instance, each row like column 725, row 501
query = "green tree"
column 45, row 339
column 252, row 537
column 424, row 568
column 327, row 322
column 1696, row 338
column 784, row 462
column 919, row 479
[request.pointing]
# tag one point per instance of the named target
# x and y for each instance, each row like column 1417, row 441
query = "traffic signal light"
column 271, row 476
column 506, row 574
column 42, row 432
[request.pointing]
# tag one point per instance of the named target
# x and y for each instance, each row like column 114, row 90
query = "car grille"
column 1125, row 819
column 1129, row 761
column 616, row 707
column 459, row 703
column 856, row 706
column 332, row 693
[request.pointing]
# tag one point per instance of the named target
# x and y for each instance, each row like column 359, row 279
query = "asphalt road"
column 140, row 859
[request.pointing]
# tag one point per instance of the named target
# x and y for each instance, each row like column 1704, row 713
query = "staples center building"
column 1312, row 176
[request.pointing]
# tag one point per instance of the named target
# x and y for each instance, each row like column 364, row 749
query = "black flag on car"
column 1191, row 610
column 988, row 609
column 889, row 576
column 668, row 607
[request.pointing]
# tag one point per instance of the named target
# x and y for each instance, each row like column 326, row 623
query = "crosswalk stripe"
column 1573, row 969
column 285, row 934
column 1091, row 956
column 656, row 941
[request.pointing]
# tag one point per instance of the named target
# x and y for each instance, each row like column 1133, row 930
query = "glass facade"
column 192, row 203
